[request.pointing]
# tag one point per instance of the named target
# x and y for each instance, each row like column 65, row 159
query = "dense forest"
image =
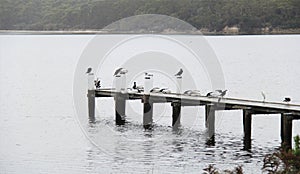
column 249, row 16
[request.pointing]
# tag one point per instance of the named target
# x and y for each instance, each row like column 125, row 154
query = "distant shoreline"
column 100, row 32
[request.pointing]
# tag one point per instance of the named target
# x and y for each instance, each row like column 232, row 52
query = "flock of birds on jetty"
column 138, row 89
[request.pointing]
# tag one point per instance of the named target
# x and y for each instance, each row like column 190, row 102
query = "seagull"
column 117, row 71
column 216, row 93
column 287, row 99
column 223, row 93
column 188, row 92
column 263, row 95
column 192, row 93
column 120, row 71
column 179, row 72
column 195, row 93
column 165, row 91
column 89, row 70
column 155, row 90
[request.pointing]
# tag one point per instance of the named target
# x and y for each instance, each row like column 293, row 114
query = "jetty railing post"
column 287, row 126
column 210, row 123
column 247, row 123
column 176, row 108
column 91, row 105
column 120, row 109
column 148, row 112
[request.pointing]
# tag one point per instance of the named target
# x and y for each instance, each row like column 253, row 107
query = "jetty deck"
column 287, row 111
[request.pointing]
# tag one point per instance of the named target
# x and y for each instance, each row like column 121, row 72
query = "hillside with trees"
column 248, row 16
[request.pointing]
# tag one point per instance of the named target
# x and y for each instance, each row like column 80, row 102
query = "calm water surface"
column 40, row 132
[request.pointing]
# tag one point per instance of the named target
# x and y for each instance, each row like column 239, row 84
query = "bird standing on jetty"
column 287, row 99
column 120, row 71
column 263, row 95
column 138, row 88
column 217, row 93
column 155, row 90
column 179, row 72
column 89, row 70
column 195, row 93
column 165, row 91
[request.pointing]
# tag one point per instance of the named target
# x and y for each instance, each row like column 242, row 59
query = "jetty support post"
column 91, row 96
column 148, row 112
column 247, row 123
column 176, row 115
column 210, row 111
column 91, row 105
column 120, row 109
column 286, row 130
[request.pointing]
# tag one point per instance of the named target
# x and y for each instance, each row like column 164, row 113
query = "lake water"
column 41, row 132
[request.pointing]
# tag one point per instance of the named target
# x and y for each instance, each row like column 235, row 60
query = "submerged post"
column 210, row 123
column 148, row 112
column 120, row 106
column 287, row 125
column 176, row 108
column 247, row 123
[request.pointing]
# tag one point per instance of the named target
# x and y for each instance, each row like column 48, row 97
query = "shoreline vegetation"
column 167, row 32
column 210, row 17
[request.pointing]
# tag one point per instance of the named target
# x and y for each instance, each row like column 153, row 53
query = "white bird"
column 216, row 93
column 165, row 91
column 188, row 92
column 195, row 93
column 192, row 93
column 263, row 95
column 155, row 90
column 89, row 70
column 179, row 72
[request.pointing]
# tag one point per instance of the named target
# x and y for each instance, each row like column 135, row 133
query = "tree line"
column 250, row 16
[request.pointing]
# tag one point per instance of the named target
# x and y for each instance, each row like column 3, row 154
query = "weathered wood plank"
column 229, row 103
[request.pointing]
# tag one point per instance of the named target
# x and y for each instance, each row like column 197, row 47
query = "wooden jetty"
column 288, row 112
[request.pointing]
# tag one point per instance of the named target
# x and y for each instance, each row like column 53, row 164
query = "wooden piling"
column 120, row 107
column 91, row 105
column 247, row 123
column 286, row 125
column 176, row 108
column 210, row 123
column 148, row 112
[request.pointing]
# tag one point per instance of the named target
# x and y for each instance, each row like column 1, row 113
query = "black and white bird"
column 165, row 91
column 155, row 90
column 188, row 92
column 192, row 93
column 138, row 88
column 263, row 95
column 287, row 99
column 89, row 70
column 179, row 72
column 120, row 71
column 216, row 93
